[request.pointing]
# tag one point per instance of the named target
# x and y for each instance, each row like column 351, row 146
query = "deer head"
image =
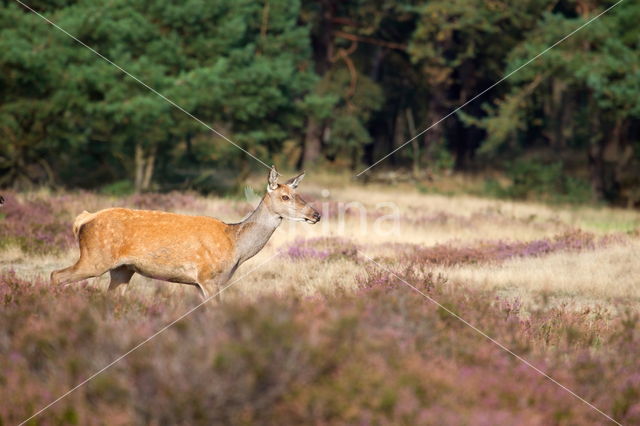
column 282, row 200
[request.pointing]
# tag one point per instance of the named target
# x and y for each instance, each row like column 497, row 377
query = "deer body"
column 195, row 250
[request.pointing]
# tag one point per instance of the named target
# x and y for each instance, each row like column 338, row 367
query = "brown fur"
column 81, row 219
column 196, row 250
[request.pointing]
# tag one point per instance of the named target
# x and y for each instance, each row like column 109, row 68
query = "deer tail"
column 82, row 219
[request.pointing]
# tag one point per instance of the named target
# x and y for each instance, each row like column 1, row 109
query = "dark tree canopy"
column 322, row 83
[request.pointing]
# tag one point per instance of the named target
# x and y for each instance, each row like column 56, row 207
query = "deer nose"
column 316, row 216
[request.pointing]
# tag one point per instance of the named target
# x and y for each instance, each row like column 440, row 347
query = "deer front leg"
column 216, row 285
column 213, row 290
column 212, row 282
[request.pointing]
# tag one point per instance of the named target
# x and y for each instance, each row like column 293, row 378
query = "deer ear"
column 295, row 181
column 273, row 179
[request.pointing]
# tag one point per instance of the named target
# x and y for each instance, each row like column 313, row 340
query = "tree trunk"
column 322, row 38
column 139, row 167
column 434, row 136
column 399, row 132
column 312, row 143
column 466, row 139
column 322, row 47
column 144, row 164
column 414, row 143
column 189, row 148
column 600, row 181
column 148, row 169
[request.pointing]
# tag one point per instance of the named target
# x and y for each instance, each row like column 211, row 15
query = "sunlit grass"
column 424, row 219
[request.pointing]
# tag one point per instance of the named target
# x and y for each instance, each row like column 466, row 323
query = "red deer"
column 195, row 250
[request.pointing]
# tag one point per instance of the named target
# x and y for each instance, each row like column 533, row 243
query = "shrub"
column 36, row 226
column 495, row 251
column 383, row 355
column 542, row 180
column 118, row 189
column 321, row 248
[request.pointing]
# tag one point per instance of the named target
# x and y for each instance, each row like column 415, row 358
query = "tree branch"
column 370, row 40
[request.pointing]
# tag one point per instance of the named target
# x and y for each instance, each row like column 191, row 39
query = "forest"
column 463, row 248
column 325, row 84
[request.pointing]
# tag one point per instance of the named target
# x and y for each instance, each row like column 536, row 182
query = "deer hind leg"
column 78, row 272
column 120, row 275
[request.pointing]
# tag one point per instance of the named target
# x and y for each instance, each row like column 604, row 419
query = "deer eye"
column 285, row 198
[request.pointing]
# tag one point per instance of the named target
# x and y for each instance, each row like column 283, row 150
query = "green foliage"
column 118, row 189
column 533, row 178
column 442, row 159
column 225, row 62
column 349, row 116
column 576, row 190
column 345, row 110
column 580, row 98
column 343, row 81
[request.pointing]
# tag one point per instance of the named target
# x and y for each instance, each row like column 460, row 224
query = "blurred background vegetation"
column 323, row 84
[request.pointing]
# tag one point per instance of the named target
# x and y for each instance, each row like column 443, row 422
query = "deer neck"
column 254, row 232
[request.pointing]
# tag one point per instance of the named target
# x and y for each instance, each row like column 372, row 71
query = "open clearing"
column 320, row 334
column 362, row 217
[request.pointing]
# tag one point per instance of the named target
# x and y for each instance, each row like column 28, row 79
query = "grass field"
column 314, row 332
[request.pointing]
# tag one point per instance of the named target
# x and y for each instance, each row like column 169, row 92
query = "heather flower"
column 321, row 248
column 299, row 253
column 487, row 251
column 36, row 226
column 384, row 354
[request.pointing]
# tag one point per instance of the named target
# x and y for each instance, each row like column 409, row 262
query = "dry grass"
column 600, row 275
column 588, row 277
column 301, row 278
column 424, row 220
